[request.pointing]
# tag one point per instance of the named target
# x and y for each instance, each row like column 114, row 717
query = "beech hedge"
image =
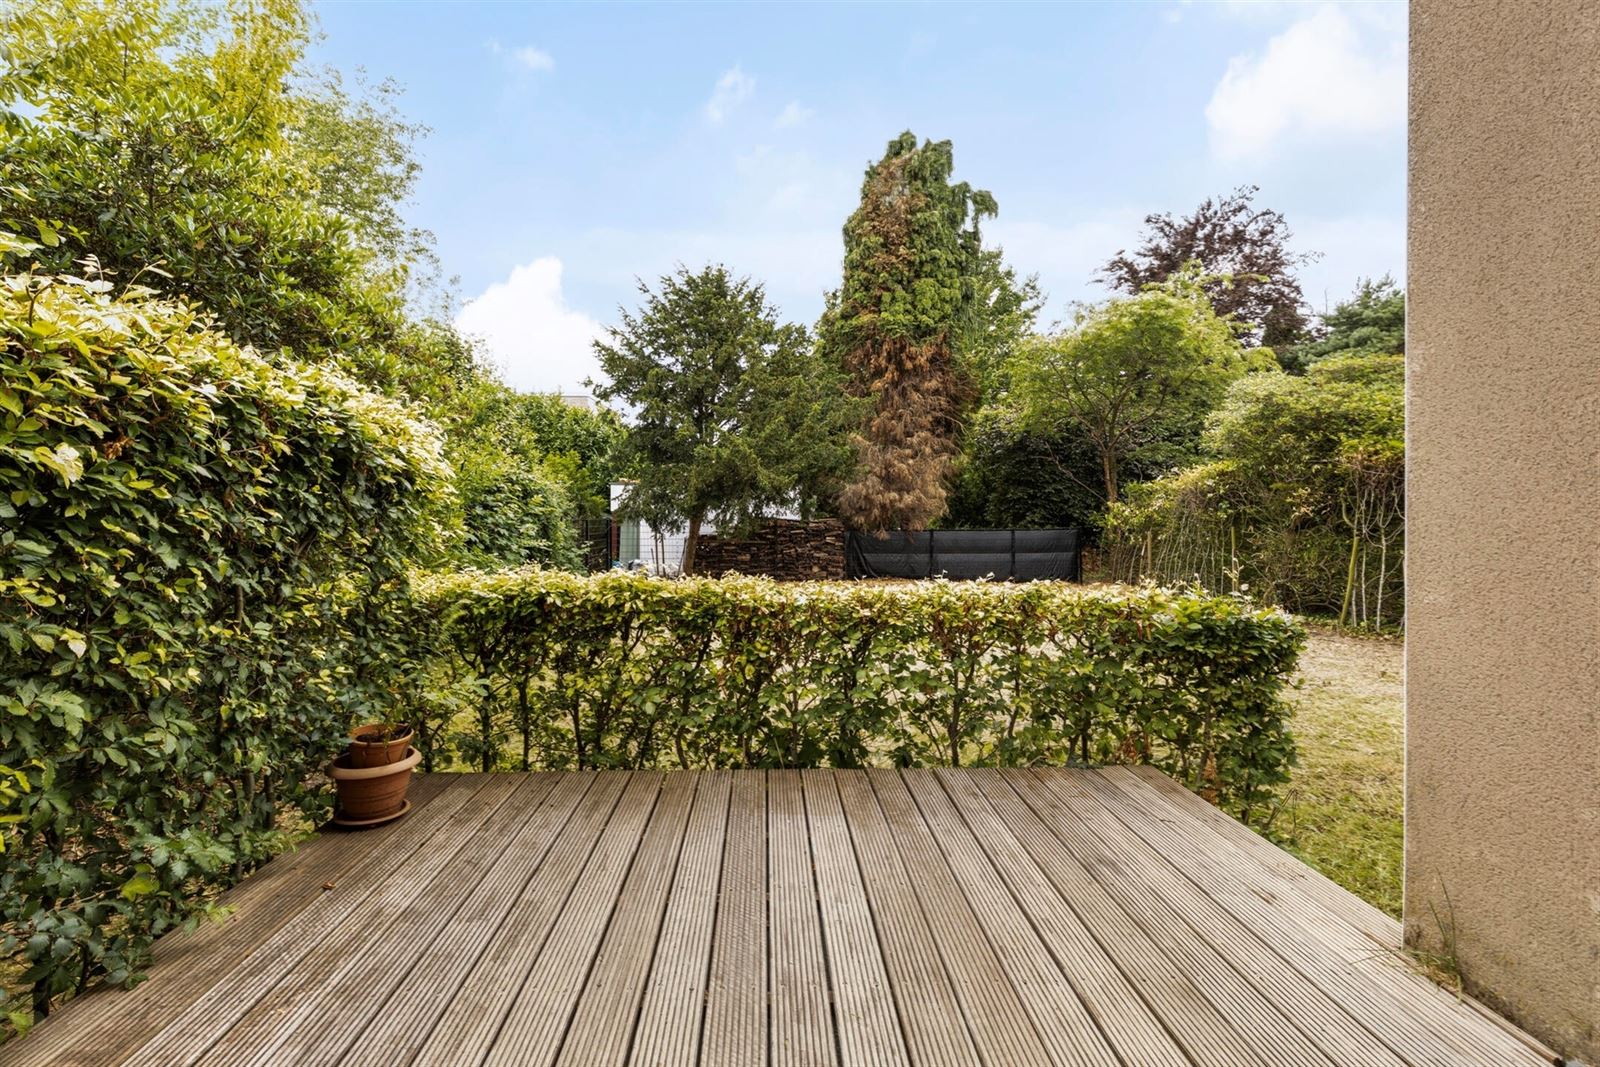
column 199, row 547
column 539, row 668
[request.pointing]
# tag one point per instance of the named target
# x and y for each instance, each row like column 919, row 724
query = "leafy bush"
column 197, row 548
column 513, row 515
column 625, row 670
column 1304, row 499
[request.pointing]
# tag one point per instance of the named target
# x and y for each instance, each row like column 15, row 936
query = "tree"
column 183, row 147
column 695, row 365
column 1302, row 495
column 1005, row 311
column 1243, row 250
column 803, row 413
column 513, row 512
column 999, row 483
column 202, row 552
column 360, row 152
column 577, row 446
column 908, row 304
column 1132, row 373
column 1371, row 323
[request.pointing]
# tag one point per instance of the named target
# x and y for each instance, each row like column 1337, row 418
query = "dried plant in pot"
column 378, row 744
column 371, row 776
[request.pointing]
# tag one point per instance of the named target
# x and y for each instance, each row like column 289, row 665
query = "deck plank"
column 1293, row 874
column 383, row 873
column 607, row 1010
column 668, row 1031
column 734, row 1030
column 1058, row 1012
column 1204, row 1004
column 1142, row 880
column 867, row 1027
column 96, row 1028
column 1149, row 1015
column 456, row 1020
column 926, row 918
column 1426, row 1025
column 541, row 1009
column 279, row 993
column 471, row 901
column 999, row 1023
column 348, row 975
column 935, row 1030
column 802, row 1017
column 1299, row 879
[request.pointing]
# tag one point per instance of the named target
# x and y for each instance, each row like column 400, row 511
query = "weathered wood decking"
column 789, row 918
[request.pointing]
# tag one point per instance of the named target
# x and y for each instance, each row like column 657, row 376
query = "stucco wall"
column 1503, row 560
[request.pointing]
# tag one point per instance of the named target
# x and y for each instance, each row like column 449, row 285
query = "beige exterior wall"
column 1503, row 560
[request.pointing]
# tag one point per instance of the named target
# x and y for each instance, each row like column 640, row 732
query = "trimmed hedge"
column 197, row 550
column 557, row 670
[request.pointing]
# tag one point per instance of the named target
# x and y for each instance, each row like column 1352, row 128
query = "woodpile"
column 786, row 549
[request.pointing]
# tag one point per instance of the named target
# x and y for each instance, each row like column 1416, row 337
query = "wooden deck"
column 802, row 918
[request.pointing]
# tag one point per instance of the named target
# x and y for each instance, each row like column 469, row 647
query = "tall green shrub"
column 197, row 551
column 1303, row 496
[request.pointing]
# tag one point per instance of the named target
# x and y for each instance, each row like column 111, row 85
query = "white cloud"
column 526, row 56
column 533, row 58
column 733, row 89
column 1326, row 74
column 539, row 343
column 793, row 114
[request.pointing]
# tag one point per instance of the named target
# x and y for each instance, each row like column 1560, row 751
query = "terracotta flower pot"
column 368, row 749
column 370, row 795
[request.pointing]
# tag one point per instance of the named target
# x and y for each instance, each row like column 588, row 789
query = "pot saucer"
column 357, row 824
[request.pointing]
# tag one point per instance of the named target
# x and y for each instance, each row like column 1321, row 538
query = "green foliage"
column 183, row 148
column 1012, row 477
column 1371, row 323
column 360, row 155
column 623, row 670
column 186, row 148
column 156, row 143
column 197, row 549
column 802, row 417
column 528, row 466
column 918, row 295
column 1304, row 498
column 712, row 377
column 513, row 514
column 1005, row 312
column 578, row 446
column 1133, row 375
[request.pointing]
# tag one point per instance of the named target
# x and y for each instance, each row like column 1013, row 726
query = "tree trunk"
column 1347, row 607
column 1108, row 469
column 691, row 543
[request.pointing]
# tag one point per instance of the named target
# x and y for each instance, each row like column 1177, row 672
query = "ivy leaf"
column 139, row 885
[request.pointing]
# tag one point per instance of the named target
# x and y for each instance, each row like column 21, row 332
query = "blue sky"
column 576, row 147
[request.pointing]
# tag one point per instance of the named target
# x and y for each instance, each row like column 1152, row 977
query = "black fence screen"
column 1016, row 555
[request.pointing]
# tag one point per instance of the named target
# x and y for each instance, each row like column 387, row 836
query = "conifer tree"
column 898, row 325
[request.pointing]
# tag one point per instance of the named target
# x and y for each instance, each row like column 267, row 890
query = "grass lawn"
column 1343, row 810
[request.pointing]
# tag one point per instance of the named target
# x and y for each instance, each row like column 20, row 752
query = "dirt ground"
column 1342, row 813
